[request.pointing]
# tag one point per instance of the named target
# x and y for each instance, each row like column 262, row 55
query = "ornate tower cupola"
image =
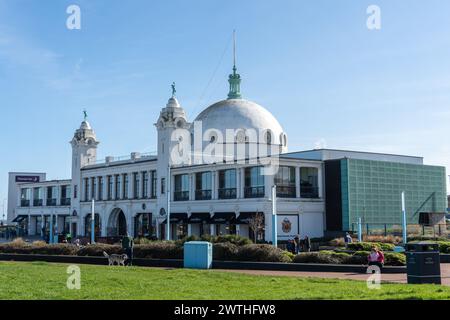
column 84, row 144
column 171, row 118
column 235, row 78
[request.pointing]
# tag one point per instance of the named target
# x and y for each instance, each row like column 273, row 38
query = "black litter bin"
column 423, row 263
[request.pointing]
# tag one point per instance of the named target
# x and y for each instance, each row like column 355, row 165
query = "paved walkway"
column 394, row 278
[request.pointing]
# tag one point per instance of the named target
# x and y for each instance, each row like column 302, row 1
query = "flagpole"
column 93, row 222
column 168, row 204
column 274, row 217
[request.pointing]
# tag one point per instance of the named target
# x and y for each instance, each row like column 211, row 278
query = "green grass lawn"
column 40, row 280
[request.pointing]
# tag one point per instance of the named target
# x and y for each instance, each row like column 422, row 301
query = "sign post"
column 168, row 204
column 274, row 217
column 404, row 218
column 359, row 229
column 50, row 239
column 93, row 222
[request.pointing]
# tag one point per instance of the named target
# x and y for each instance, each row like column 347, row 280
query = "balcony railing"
column 254, row 192
column 24, row 203
column 38, row 202
column 181, row 196
column 51, row 202
column 65, row 202
column 203, row 194
column 309, row 192
column 227, row 193
column 286, row 192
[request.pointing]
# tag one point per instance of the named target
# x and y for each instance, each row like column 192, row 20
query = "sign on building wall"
column 28, row 179
column 288, row 226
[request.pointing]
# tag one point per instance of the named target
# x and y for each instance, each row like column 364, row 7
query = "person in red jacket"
column 376, row 257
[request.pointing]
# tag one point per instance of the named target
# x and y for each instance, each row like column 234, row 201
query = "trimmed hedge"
column 261, row 253
column 359, row 257
column 367, row 246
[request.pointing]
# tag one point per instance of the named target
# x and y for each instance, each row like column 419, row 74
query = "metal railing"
column 227, row 193
column 254, row 192
column 286, row 191
column 374, row 229
column 309, row 192
column 181, row 196
column 203, row 194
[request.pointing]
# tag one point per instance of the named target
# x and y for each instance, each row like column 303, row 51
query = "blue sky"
column 314, row 64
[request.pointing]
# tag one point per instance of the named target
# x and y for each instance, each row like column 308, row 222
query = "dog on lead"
column 118, row 259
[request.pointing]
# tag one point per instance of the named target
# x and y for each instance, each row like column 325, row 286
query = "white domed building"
column 212, row 176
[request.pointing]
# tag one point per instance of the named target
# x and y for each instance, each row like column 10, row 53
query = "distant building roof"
column 332, row 154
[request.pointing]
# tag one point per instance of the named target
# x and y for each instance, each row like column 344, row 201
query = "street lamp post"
column 93, row 222
column 168, row 204
column 274, row 217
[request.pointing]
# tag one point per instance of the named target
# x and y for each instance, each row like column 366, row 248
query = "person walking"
column 297, row 244
column 127, row 246
column 376, row 257
column 307, row 244
column 347, row 239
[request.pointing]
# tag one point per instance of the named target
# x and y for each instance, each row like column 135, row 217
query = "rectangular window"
column 118, row 187
column 154, row 184
column 145, row 194
column 163, row 185
column 136, row 185
column 101, row 184
column 309, row 182
column 125, row 186
column 75, row 191
column 51, row 196
column 285, row 182
column 227, row 184
column 86, row 189
column 65, row 195
column 203, row 186
column 181, row 190
column 38, row 197
column 110, row 187
column 254, row 183
column 93, row 188
column 25, row 196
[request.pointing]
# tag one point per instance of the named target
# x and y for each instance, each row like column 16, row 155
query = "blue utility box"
column 198, row 255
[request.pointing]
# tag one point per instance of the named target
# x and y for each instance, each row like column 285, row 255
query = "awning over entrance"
column 244, row 217
column 200, row 217
column 20, row 218
column 223, row 217
column 177, row 218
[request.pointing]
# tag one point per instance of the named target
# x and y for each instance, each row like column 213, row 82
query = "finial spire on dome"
column 234, row 79
column 174, row 90
column 85, row 114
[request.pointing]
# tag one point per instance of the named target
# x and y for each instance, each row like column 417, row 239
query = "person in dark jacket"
column 127, row 246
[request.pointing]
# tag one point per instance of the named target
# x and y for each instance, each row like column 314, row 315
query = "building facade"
column 211, row 176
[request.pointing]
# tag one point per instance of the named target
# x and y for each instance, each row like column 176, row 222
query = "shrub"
column 261, row 253
column 394, row 259
column 337, row 242
column 384, row 239
column 234, row 239
column 96, row 250
column 426, row 238
column 359, row 257
column 225, row 251
column 367, row 246
column 159, row 250
column 21, row 247
column 327, row 257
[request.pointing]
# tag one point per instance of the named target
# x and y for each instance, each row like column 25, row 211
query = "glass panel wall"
column 203, row 186
column 254, row 183
column 309, row 182
column 227, row 184
column 181, row 190
column 285, row 182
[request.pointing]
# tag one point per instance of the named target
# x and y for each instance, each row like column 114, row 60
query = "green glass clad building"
column 372, row 190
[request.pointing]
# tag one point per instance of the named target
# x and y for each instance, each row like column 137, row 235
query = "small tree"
column 256, row 224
